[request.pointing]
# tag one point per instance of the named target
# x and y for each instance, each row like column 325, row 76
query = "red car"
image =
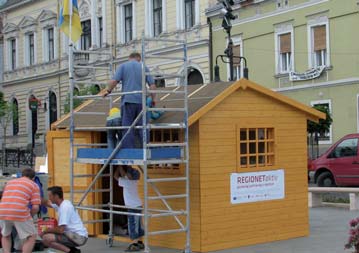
column 339, row 165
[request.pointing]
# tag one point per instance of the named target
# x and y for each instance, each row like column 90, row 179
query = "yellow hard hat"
column 113, row 111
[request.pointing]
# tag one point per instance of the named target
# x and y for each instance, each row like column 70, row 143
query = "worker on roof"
column 130, row 75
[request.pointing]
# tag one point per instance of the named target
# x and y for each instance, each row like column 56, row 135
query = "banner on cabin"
column 257, row 186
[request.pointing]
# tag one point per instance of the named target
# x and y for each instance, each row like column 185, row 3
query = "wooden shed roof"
column 201, row 99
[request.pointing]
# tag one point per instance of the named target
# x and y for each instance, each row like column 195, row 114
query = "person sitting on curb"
column 70, row 232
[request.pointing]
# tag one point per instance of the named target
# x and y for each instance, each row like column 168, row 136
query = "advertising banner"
column 257, row 186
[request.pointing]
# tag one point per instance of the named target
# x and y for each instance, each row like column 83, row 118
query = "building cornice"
column 34, row 78
column 16, row 5
column 341, row 82
column 267, row 15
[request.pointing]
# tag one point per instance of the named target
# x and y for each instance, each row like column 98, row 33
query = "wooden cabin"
column 248, row 166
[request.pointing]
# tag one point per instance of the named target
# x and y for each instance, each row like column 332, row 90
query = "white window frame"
column 180, row 14
column 120, row 9
column 45, row 43
column 149, row 27
column 27, row 49
column 310, row 33
column 104, row 26
column 65, row 47
column 94, row 26
column 278, row 33
column 280, row 4
column 237, row 40
column 9, row 53
column 329, row 102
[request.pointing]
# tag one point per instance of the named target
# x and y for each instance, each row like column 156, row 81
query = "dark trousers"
column 113, row 135
column 129, row 113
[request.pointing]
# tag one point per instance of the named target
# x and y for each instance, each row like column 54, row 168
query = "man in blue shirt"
column 130, row 75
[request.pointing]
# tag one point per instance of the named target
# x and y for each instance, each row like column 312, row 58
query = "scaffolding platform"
column 129, row 156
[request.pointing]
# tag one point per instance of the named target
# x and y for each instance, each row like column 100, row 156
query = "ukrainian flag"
column 64, row 20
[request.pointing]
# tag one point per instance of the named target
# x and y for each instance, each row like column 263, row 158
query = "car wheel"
column 325, row 179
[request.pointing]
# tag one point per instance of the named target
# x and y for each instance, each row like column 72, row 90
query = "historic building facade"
column 35, row 77
column 306, row 49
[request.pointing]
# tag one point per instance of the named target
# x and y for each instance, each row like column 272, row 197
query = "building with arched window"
column 36, row 51
column 15, row 117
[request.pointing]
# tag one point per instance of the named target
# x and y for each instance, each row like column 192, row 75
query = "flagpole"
column 71, row 80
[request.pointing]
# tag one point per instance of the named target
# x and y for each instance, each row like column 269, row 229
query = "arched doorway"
column 33, row 106
column 52, row 107
column 95, row 89
column 194, row 76
column 15, row 117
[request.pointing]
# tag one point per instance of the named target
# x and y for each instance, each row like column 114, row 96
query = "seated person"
column 70, row 232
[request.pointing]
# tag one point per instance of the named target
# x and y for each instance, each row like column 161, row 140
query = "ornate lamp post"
column 228, row 52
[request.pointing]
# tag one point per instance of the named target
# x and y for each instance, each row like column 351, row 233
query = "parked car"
column 339, row 165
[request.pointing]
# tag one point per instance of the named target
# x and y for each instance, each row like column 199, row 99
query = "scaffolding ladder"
column 149, row 155
column 88, row 64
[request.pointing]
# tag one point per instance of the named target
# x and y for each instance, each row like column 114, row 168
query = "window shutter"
column 320, row 38
column 236, row 52
column 285, row 43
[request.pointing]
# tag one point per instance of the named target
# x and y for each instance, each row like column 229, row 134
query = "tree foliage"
column 88, row 90
column 8, row 113
column 324, row 124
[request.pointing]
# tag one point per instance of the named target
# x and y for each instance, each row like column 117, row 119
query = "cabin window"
column 256, row 147
column 164, row 136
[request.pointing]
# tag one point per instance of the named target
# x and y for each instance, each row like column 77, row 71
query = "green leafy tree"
column 89, row 90
column 8, row 113
column 319, row 129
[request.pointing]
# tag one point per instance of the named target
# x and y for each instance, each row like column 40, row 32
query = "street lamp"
column 222, row 56
column 228, row 53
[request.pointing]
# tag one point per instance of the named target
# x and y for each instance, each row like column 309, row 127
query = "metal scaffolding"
column 148, row 155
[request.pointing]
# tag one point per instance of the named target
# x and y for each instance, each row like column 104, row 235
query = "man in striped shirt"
column 15, row 212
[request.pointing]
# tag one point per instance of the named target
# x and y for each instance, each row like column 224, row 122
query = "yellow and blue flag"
column 64, row 20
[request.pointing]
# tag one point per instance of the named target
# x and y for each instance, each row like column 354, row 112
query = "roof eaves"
column 214, row 11
column 14, row 4
column 312, row 113
column 212, row 103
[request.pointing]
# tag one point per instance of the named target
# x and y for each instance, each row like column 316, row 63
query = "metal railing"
column 17, row 157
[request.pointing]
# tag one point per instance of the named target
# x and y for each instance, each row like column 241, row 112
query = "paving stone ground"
column 328, row 234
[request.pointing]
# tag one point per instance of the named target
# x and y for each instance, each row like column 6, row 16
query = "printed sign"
column 257, row 186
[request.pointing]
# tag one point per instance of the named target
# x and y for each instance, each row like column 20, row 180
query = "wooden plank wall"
column 178, row 240
column 58, row 146
column 245, row 224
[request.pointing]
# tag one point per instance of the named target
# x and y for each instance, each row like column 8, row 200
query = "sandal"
column 133, row 247
column 140, row 245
